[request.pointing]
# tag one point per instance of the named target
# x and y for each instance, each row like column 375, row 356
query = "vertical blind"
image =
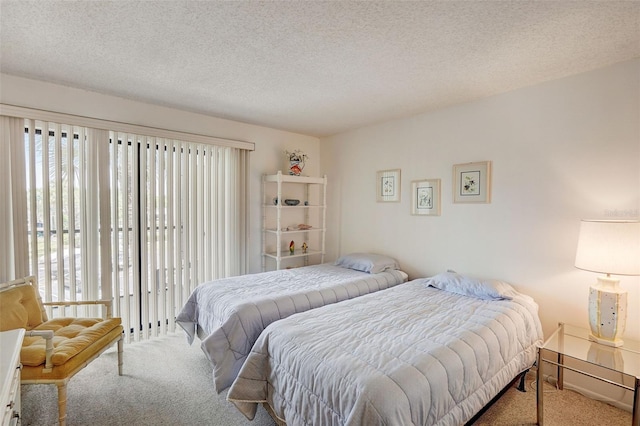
column 174, row 223
column 138, row 219
column 65, row 192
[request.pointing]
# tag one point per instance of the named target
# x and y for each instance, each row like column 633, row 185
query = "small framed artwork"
column 425, row 197
column 472, row 182
column 388, row 185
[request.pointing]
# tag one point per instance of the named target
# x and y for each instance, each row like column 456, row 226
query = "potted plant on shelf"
column 296, row 161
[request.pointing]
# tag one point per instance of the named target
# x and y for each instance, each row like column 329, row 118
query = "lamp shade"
column 609, row 247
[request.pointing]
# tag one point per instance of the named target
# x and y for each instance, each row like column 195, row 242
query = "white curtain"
column 13, row 202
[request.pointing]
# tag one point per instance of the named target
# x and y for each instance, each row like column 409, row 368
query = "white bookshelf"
column 280, row 221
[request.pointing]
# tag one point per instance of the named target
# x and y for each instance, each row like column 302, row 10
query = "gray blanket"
column 229, row 314
column 409, row 355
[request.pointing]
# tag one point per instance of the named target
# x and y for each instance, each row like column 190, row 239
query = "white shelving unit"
column 280, row 222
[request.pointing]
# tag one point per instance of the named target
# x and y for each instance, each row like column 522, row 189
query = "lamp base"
column 607, row 312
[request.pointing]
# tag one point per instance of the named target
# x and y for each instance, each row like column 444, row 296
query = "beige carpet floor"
column 167, row 382
column 561, row 408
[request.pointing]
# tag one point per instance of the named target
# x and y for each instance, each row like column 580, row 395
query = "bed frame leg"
column 521, row 386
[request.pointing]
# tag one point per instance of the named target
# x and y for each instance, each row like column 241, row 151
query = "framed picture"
column 425, row 197
column 388, row 186
column 472, row 182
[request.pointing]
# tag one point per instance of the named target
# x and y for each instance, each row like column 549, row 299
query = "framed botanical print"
column 472, row 182
column 425, row 197
column 388, row 185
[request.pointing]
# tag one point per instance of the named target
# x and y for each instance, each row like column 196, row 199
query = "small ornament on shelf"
column 296, row 160
column 292, row 247
column 304, row 247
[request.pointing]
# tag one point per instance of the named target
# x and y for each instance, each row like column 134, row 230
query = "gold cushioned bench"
column 54, row 350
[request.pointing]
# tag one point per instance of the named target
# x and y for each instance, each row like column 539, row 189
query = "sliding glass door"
column 141, row 220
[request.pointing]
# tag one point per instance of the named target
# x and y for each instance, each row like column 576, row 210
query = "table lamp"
column 608, row 247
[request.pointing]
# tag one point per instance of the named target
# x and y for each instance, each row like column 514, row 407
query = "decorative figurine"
column 304, row 247
column 292, row 247
column 297, row 161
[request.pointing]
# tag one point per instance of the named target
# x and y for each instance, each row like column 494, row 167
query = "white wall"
column 268, row 156
column 561, row 151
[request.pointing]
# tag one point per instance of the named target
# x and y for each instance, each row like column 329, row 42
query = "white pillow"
column 474, row 287
column 367, row 262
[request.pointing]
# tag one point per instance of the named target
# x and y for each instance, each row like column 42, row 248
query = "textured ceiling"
column 316, row 68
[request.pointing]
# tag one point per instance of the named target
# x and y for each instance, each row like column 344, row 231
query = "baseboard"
column 591, row 394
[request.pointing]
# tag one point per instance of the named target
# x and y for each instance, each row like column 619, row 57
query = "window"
column 139, row 219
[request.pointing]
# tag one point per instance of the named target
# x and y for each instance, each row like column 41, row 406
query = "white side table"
column 10, row 342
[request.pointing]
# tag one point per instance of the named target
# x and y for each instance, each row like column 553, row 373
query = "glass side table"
column 569, row 348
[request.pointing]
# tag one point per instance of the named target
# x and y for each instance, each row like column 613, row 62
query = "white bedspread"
column 409, row 355
column 229, row 314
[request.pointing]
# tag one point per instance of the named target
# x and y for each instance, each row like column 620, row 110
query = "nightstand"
column 11, row 343
column 569, row 348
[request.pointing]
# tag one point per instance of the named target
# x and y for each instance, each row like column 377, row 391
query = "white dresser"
column 10, row 344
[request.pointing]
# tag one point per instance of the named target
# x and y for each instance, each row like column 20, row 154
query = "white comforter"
column 409, row 355
column 229, row 314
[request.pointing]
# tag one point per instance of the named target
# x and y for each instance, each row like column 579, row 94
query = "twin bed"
column 430, row 351
column 229, row 314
